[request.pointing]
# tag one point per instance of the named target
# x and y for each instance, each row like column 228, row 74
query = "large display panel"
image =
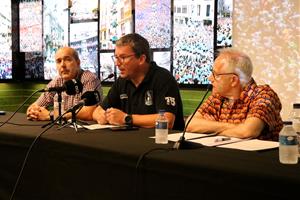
column 224, row 23
column 84, row 38
column 83, row 10
column 30, row 25
column 153, row 21
column 193, row 49
column 115, row 21
column 5, row 40
column 55, row 28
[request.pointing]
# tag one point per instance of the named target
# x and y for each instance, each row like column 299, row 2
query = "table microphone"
column 108, row 77
column 88, row 98
column 182, row 143
column 71, row 87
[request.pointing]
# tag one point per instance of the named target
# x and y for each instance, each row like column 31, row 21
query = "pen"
column 222, row 139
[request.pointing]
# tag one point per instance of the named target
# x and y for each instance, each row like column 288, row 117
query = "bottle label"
column 288, row 140
column 161, row 125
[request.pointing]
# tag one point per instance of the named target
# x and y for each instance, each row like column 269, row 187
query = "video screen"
column 115, row 21
column 5, row 40
column 107, row 66
column 153, row 21
column 55, row 33
column 162, row 59
column 83, row 10
column 34, row 65
column 224, row 23
column 84, row 38
column 30, row 25
column 193, row 49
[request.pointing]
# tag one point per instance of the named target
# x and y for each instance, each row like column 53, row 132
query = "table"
column 102, row 164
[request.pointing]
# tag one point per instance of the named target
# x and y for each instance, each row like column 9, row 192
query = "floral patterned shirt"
column 255, row 101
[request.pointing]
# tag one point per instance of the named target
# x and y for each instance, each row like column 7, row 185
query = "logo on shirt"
column 123, row 96
column 170, row 101
column 149, row 98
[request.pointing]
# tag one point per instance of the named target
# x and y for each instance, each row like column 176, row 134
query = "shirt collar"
column 248, row 89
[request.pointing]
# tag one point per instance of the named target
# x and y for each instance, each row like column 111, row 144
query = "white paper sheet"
column 98, row 126
column 252, row 145
column 233, row 143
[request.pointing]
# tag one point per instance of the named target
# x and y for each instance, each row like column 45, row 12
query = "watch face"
column 128, row 120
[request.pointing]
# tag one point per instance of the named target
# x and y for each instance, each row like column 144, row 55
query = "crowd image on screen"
column 5, row 40
column 152, row 21
column 115, row 21
column 224, row 32
column 5, row 66
column 30, row 26
column 87, row 51
column 193, row 52
column 224, row 23
column 84, row 10
column 34, row 65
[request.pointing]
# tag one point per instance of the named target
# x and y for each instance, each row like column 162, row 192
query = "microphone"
column 89, row 98
column 182, row 143
column 71, row 87
column 108, row 77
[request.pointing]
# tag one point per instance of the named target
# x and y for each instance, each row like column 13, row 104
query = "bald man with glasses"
column 238, row 107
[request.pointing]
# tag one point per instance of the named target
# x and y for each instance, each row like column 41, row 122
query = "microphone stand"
column 182, row 143
column 59, row 101
column 73, row 119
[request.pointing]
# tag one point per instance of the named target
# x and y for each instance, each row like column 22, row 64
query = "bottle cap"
column 287, row 123
column 161, row 111
column 296, row 105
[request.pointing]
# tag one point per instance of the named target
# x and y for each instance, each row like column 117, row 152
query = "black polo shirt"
column 158, row 90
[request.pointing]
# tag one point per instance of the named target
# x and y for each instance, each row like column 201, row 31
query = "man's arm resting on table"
column 85, row 113
column 250, row 128
column 148, row 120
column 117, row 117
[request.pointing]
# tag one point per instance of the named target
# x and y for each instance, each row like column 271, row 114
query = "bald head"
column 67, row 63
column 70, row 51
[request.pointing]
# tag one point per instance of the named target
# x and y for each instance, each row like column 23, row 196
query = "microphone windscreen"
column 73, row 86
column 91, row 98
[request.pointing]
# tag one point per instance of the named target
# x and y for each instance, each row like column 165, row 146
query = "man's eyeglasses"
column 121, row 59
column 217, row 76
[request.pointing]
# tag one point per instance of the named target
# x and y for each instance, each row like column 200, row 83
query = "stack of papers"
column 225, row 142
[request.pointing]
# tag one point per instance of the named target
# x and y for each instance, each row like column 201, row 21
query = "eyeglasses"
column 217, row 76
column 121, row 59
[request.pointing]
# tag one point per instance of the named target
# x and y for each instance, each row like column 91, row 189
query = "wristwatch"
column 128, row 120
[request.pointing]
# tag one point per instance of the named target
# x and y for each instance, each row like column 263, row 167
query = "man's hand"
column 115, row 116
column 99, row 115
column 37, row 113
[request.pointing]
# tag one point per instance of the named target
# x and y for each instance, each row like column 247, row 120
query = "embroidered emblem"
column 149, row 98
column 123, row 96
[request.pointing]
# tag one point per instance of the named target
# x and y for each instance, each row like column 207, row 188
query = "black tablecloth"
column 105, row 164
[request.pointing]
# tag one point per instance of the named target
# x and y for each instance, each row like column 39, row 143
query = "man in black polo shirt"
column 142, row 89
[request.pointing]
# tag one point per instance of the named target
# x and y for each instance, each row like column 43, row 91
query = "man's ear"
column 142, row 59
column 235, row 80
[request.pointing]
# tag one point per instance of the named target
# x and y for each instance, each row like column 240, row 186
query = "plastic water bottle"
column 161, row 129
column 288, row 145
column 295, row 118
